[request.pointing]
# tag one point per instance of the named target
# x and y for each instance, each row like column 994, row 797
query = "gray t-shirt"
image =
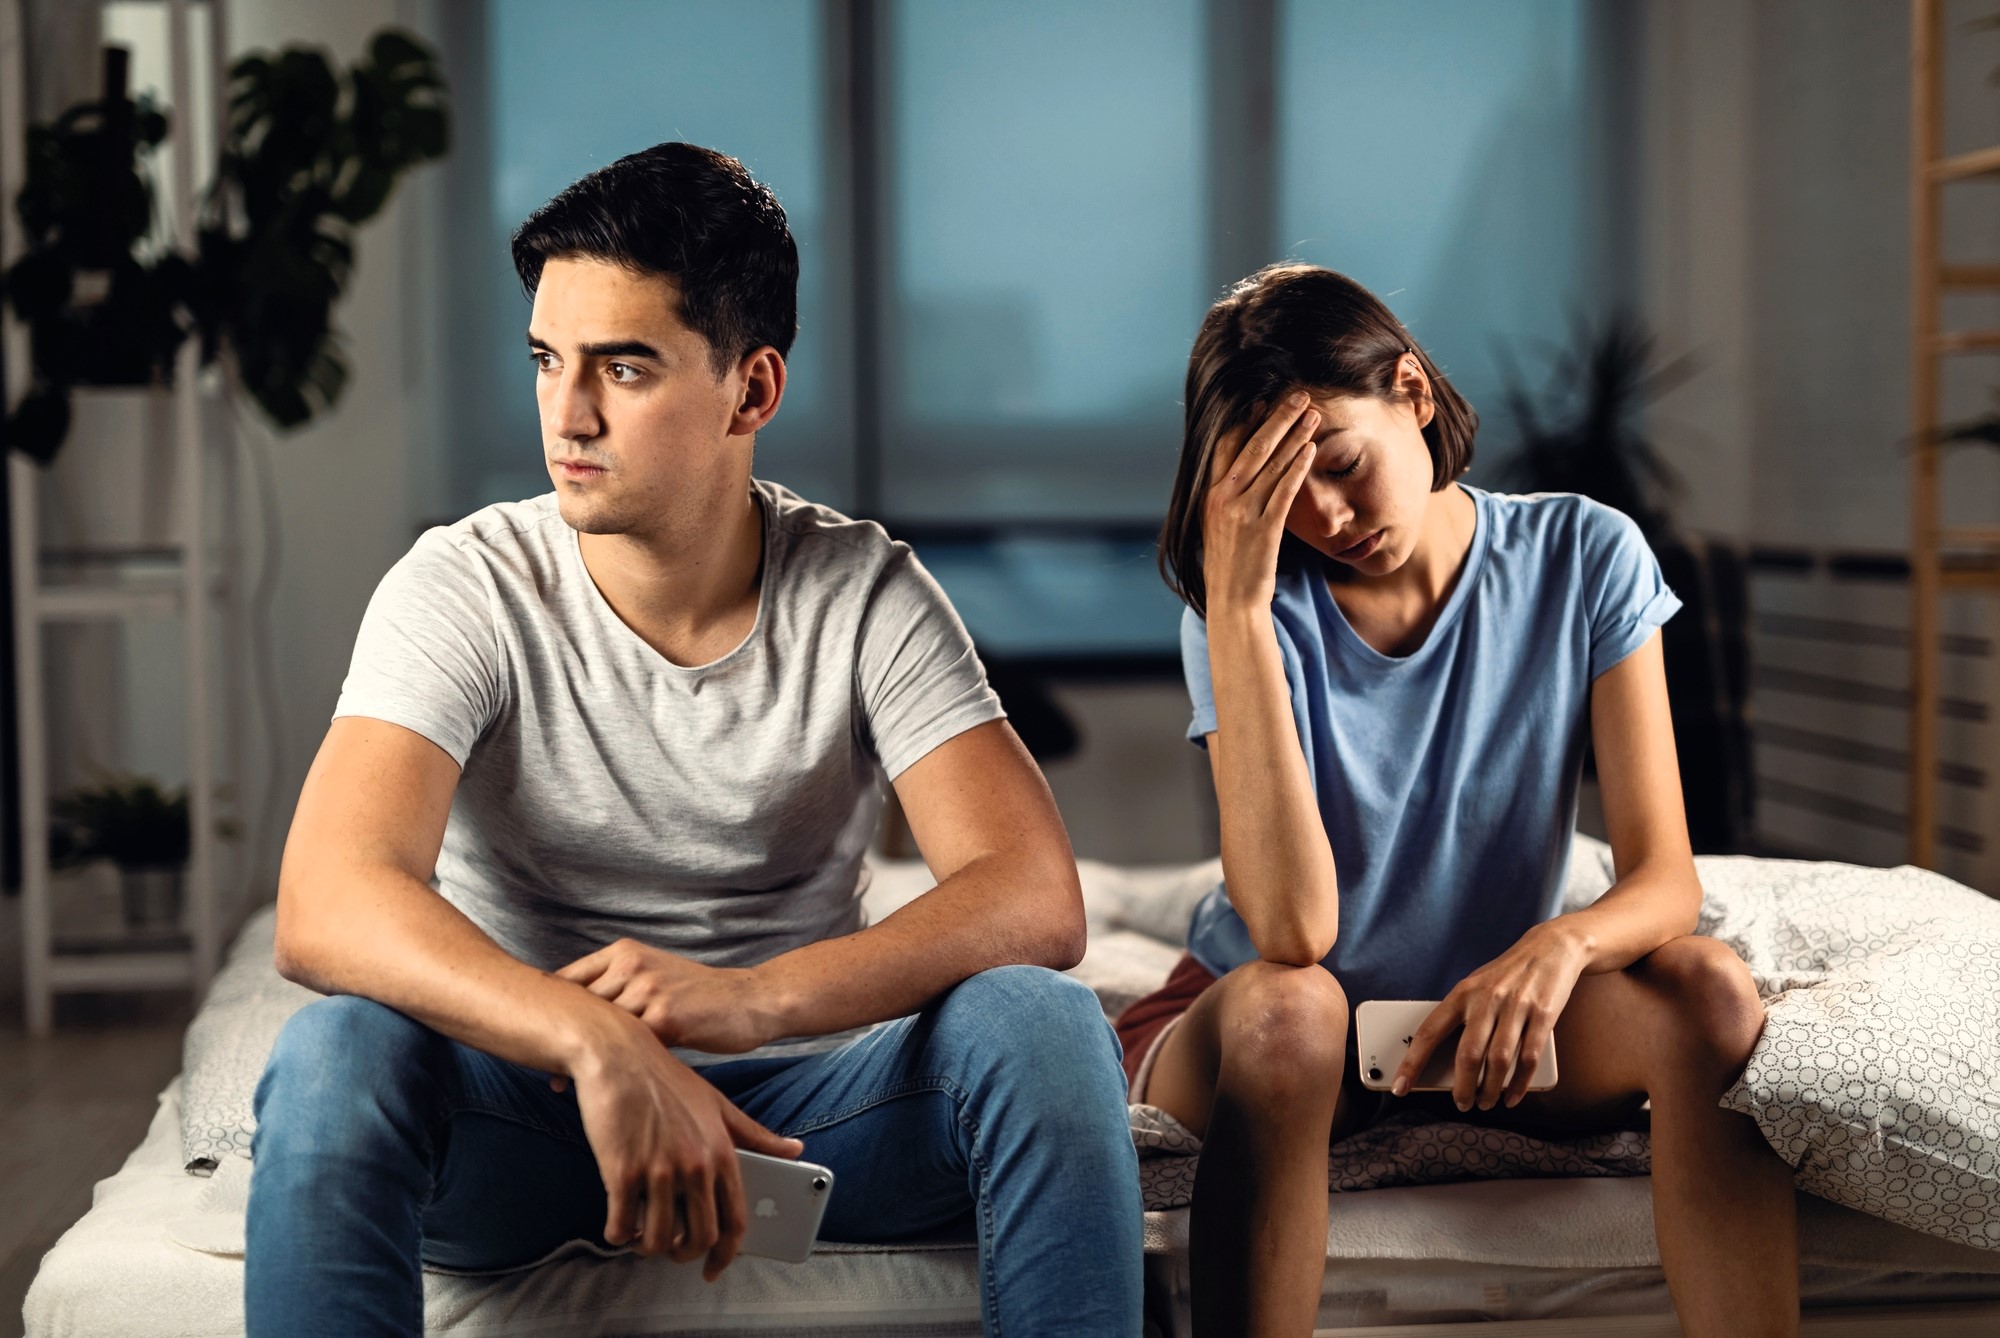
column 720, row 812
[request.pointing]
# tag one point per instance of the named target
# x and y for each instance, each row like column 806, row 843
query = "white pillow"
column 227, row 1043
column 1878, row 1075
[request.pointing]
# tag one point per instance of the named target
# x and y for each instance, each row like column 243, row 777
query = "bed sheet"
column 1512, row 1249
column 120, row 1271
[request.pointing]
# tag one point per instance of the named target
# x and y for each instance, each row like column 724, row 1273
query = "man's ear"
column 761, row 374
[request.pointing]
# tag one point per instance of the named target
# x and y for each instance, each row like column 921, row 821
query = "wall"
column 1694, row 220
column 1776, row 230
column 350, row 486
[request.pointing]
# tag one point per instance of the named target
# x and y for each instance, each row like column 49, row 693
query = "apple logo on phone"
column 767, row 1207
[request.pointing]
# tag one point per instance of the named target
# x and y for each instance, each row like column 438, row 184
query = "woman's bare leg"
column 1679, row 1026
column 1255, row 1068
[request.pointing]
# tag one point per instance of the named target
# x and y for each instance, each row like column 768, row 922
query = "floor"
column 71, row 1107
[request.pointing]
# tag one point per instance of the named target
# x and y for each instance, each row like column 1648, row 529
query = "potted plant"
column 98, row 313
column 310, row 153
column 139, row 827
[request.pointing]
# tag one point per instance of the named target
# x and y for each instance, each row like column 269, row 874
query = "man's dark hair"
column 692, row 215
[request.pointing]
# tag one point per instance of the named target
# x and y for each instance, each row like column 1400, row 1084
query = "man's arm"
column 356, row 915
column 1007, row 893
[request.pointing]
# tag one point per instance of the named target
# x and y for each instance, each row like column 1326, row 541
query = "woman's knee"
column 1709, row 1002
column 1282, row 1028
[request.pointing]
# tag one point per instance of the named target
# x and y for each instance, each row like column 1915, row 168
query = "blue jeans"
column 381, row 1143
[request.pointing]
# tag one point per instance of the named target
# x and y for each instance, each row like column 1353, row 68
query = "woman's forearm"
column 1274, row 848
column 1648, row 906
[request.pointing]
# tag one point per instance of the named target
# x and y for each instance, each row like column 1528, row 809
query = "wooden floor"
column 71, row 1108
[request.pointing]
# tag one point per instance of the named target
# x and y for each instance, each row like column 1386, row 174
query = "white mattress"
column 1504, row 1249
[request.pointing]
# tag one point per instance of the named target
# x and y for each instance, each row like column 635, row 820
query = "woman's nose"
column 1330, row 512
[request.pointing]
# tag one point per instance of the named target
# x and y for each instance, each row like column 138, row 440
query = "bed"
column 159, row 1253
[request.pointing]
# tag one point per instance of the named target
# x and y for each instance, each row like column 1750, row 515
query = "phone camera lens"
column 1374, row 1074
column 819, row 1184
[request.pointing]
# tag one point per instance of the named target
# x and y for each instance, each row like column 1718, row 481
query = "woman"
column 1393, row 675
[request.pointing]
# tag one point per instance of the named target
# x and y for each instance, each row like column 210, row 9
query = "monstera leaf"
column 311, row 155
column 311, row 152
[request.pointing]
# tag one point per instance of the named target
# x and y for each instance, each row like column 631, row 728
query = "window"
column 1012, row 217
column 575, row 86
column 1456, row 160
column 1047, row 255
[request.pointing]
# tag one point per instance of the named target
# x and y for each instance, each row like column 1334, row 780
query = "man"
column 591, row 816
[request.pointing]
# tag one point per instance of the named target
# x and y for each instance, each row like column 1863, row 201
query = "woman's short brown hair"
column 1292, row 327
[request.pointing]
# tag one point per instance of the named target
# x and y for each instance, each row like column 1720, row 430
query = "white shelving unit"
column 178, row 584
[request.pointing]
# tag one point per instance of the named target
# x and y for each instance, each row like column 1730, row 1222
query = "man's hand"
column 1509, row 1009
column 665, row 1144
column 684, row 1003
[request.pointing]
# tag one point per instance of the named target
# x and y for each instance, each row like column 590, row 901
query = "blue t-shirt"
column 1447, row 778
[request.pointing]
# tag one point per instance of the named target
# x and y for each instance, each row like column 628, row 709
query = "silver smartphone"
column 786, row 1200
column 1383, row 1029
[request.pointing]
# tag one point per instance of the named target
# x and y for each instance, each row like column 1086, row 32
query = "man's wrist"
column 592, row 1031
column 768, row 1002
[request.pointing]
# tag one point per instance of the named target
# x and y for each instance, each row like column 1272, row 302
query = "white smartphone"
column 786, row 1200
column 1383, row 1029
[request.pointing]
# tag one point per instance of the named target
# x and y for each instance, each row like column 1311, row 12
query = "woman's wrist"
column 1572, row 938
column 1235, row 616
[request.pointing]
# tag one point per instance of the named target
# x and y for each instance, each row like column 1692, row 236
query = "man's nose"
column 571, row 412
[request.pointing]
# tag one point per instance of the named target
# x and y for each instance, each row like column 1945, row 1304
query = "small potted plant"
column 142, row 829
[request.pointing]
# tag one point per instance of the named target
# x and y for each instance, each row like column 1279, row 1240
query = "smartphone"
column 786, row 1200
column 1383, row 1029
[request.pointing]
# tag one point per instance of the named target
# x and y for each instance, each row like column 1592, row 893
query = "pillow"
column 1878, row 1074
column 223, row 1055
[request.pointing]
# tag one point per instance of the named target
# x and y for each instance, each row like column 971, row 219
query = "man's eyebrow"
column 613, row 348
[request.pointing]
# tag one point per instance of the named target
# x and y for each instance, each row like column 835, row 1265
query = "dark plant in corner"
column 1583, row 431
column 308, row 157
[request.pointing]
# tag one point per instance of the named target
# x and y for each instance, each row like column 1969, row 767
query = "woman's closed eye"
column 1344, row 470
